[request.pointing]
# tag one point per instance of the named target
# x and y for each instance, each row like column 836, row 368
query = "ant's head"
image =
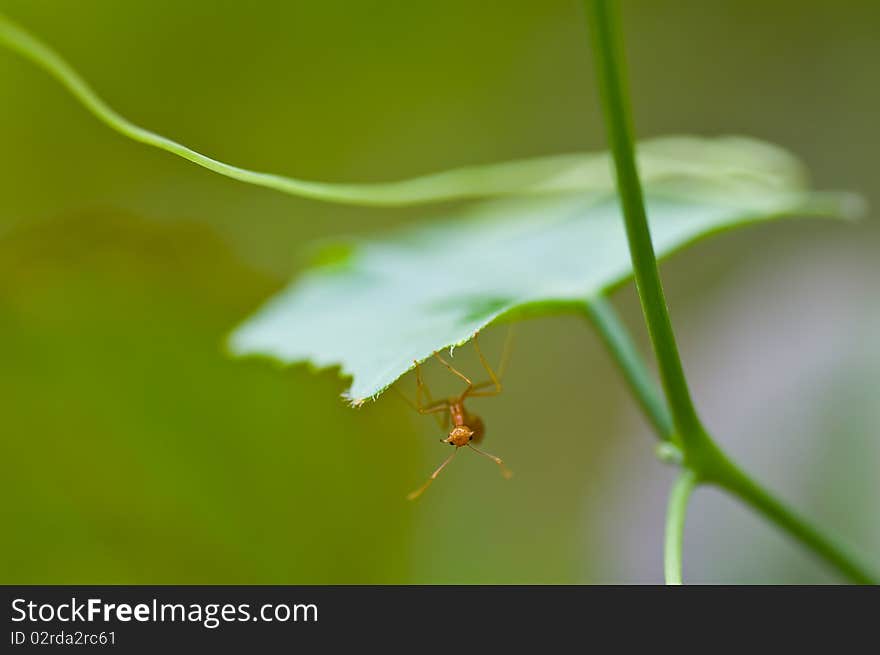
column 460, row 436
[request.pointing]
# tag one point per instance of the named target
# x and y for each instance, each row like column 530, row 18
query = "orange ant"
column 466, row 427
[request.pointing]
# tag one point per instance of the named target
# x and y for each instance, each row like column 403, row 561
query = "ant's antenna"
column 506, row 472
column 418, row 492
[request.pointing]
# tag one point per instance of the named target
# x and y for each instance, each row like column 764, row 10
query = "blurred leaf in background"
column 133, row 451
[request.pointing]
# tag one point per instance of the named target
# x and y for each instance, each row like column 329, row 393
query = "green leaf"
column 380, row 305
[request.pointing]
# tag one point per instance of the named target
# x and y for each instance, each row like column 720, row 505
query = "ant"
column 467, row 428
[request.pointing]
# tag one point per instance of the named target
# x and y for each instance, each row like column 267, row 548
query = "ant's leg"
column 502, row 366
column 484, row 394
column 506, row 472
column 405, row 398
column 418, row 492
column 505, row 353
column 420, row 387
column 432, row 407
column 455, row 371
column 442, row 422
column 439, row 406
column 494, row 380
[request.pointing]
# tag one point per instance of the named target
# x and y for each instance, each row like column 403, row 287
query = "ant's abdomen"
column 476, row 424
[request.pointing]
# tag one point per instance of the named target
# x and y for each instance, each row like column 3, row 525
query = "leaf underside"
column 387, row 303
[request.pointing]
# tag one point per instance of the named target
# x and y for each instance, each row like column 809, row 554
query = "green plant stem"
column 609, row 65
column 701, row 454
column 727, row 475
column 515, row 177
column 616, row 338
column 552, row 173
column 675, row 515
column 716, row 467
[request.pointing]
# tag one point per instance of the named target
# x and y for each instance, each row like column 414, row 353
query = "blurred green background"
column 133, row 451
